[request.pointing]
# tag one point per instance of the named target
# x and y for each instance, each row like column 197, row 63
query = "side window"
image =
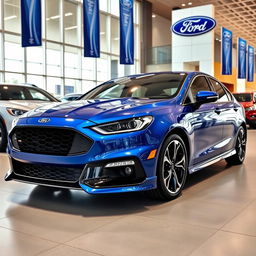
column 37, row 95
column 199, row 84
column 220, row 91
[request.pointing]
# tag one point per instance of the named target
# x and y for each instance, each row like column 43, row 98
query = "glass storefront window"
column 115, row 36
column 103, row 68
column 72, row 86
column 55, row 86
column 114, row 7
column 53, row 26
column 12, row 15
column 60, row 60
column 71, row 23
column 53, row 59
column 72, row 62
column 35, row 60
column 88, row 68
column 14, row 78
column 103, row 33
column 14, row 54
column 87, row 86
column 39, row 81
column 103, row 5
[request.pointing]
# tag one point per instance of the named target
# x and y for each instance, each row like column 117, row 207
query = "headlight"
column 128, row 125
column 16, row 111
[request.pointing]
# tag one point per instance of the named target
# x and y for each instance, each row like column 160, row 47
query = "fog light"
column 128, row 171
column 118, row 164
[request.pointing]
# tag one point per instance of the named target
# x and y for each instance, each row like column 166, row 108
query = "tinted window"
column 151, row 86
column 243, row 97
column 220, row 91
column 10, row 92
column 199, row 84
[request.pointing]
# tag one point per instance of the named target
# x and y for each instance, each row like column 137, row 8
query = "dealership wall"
column 193, row 53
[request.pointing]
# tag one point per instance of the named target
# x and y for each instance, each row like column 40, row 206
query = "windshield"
column 10, row 92
column 243, row 97
column 151, row 86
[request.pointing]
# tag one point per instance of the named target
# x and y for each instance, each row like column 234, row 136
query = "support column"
column 146, row 32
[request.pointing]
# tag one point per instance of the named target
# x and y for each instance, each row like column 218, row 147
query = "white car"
column 15, row 100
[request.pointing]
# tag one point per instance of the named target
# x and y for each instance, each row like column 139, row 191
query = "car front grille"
column 47, row 172
column 50, row 141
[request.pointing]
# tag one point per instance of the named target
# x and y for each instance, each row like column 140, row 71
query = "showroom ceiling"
column 237, row 15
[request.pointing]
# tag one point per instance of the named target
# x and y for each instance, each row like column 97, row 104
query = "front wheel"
column 172, row 169
column 239, row 157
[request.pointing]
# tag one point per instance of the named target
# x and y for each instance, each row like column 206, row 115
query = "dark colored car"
column 248, row 101
column 144, row 132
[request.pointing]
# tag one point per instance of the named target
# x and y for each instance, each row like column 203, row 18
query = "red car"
column 248, row 100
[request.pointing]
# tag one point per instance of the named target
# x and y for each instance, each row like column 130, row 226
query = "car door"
column 204, row 122
column 227, row 113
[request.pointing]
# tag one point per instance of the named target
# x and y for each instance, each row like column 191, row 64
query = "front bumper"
column 105, row 149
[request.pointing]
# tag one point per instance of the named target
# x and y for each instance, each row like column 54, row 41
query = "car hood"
column 100, row 110
column 22, row 104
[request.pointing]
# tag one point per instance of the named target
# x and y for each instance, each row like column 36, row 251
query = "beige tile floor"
column 215, row 216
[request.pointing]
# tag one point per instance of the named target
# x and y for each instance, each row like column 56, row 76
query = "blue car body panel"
column 209, row 134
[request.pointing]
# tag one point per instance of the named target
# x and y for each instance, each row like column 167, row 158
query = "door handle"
column 218, row 111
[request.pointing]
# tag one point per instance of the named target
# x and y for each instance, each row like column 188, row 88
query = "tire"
column 239, row 157
column 3, row 137
column 172, row 167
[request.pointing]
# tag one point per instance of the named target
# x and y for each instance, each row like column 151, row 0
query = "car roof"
column 157, row 73
column 22, row 85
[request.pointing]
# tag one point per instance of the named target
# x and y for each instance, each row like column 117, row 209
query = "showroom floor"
column 215, row 216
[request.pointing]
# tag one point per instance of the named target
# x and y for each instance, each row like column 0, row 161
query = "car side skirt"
column 212, row 161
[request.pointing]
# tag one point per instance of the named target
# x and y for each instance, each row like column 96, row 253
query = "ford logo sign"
column 44, row 120
column 193, row 26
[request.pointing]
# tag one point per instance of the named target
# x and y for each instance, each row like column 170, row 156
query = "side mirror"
column 206, row 97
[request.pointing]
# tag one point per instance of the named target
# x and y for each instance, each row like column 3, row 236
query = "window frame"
column 189, row 87
column 229, row 96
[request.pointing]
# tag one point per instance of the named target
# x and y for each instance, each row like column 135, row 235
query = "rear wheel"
column 172, row 169
column 3, row 137
column 239, row 157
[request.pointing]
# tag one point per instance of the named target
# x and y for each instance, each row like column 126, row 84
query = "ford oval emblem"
column 44, row 120
column 193, row 26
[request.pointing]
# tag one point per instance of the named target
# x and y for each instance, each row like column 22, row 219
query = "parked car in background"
column 144, row 132
column 71, row 97
column 248, row 101
column 15, row 100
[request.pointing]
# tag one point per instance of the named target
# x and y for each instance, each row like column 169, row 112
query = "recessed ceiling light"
column 68, row 14
column 70, row 28
column 183, row 5
column 10, row 17
column 102, row 33
column 55, row 17
column 189, row 3
column 153, row 15
column 116, row 38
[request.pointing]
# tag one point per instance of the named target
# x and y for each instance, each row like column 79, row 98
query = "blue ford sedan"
column 144, row 132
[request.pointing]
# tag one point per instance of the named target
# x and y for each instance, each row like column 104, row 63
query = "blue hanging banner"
column 31, row 23
column 250, row 73
column 226, row 52
column 241, row 58
column 126, row 32
column 91, row 28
